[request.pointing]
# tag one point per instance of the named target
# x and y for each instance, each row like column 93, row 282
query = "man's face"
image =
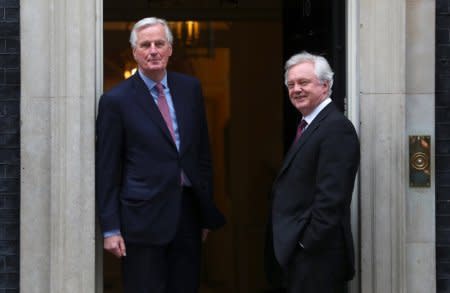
column 306, row 91
column 152, row 50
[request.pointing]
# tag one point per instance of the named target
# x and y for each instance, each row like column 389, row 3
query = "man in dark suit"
column 311, row 195
column 153, row 170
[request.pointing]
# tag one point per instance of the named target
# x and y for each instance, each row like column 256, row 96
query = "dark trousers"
column 321, row 272
column 170, row 268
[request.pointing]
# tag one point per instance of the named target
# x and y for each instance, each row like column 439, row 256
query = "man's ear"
column 326, row 85
column 133, row 51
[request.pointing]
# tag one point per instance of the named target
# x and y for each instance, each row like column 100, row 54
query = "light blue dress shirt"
column 151, row 85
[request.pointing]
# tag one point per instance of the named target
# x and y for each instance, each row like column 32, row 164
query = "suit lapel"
column 316, row 123
column 180, row 103
column 145, row 100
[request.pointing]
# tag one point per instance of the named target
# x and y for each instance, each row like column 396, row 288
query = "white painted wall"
column 397, row 99
column 58, row 98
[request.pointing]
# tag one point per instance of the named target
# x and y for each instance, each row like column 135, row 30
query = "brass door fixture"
column 419, row 161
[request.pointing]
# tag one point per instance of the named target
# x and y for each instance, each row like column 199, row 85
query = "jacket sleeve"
column 205, row 164
column 334, row 179
column 108, row 173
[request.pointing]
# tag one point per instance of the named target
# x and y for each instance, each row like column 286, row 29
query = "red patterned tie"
column 300, row 128
column 164, row 109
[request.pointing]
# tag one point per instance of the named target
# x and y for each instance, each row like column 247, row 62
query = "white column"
column 58, row 98
column 383, row 146
column 353, row 114
column 420, row 89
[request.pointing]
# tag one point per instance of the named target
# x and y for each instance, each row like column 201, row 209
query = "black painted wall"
column 9, row 145
column 443, row 145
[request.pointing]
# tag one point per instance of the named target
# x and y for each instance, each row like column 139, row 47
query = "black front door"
column 316, row 26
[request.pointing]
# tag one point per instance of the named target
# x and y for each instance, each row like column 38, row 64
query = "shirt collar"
column 310, row 117
column 150, row 83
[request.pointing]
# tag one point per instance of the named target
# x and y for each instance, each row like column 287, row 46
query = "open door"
column 237, row 55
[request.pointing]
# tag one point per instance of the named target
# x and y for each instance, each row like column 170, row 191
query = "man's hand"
column 204, row 234
column 115, row 245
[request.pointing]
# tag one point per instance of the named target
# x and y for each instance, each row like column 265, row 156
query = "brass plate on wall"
column 419, row 161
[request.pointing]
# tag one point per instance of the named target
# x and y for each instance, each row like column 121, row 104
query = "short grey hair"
column 146, row 22
column 322, row 68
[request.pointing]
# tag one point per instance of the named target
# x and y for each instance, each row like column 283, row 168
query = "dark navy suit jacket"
column 138, row 166
column 313, row 191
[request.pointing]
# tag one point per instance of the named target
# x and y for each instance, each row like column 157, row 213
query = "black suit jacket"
column 138, row 167
column 312, row 192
